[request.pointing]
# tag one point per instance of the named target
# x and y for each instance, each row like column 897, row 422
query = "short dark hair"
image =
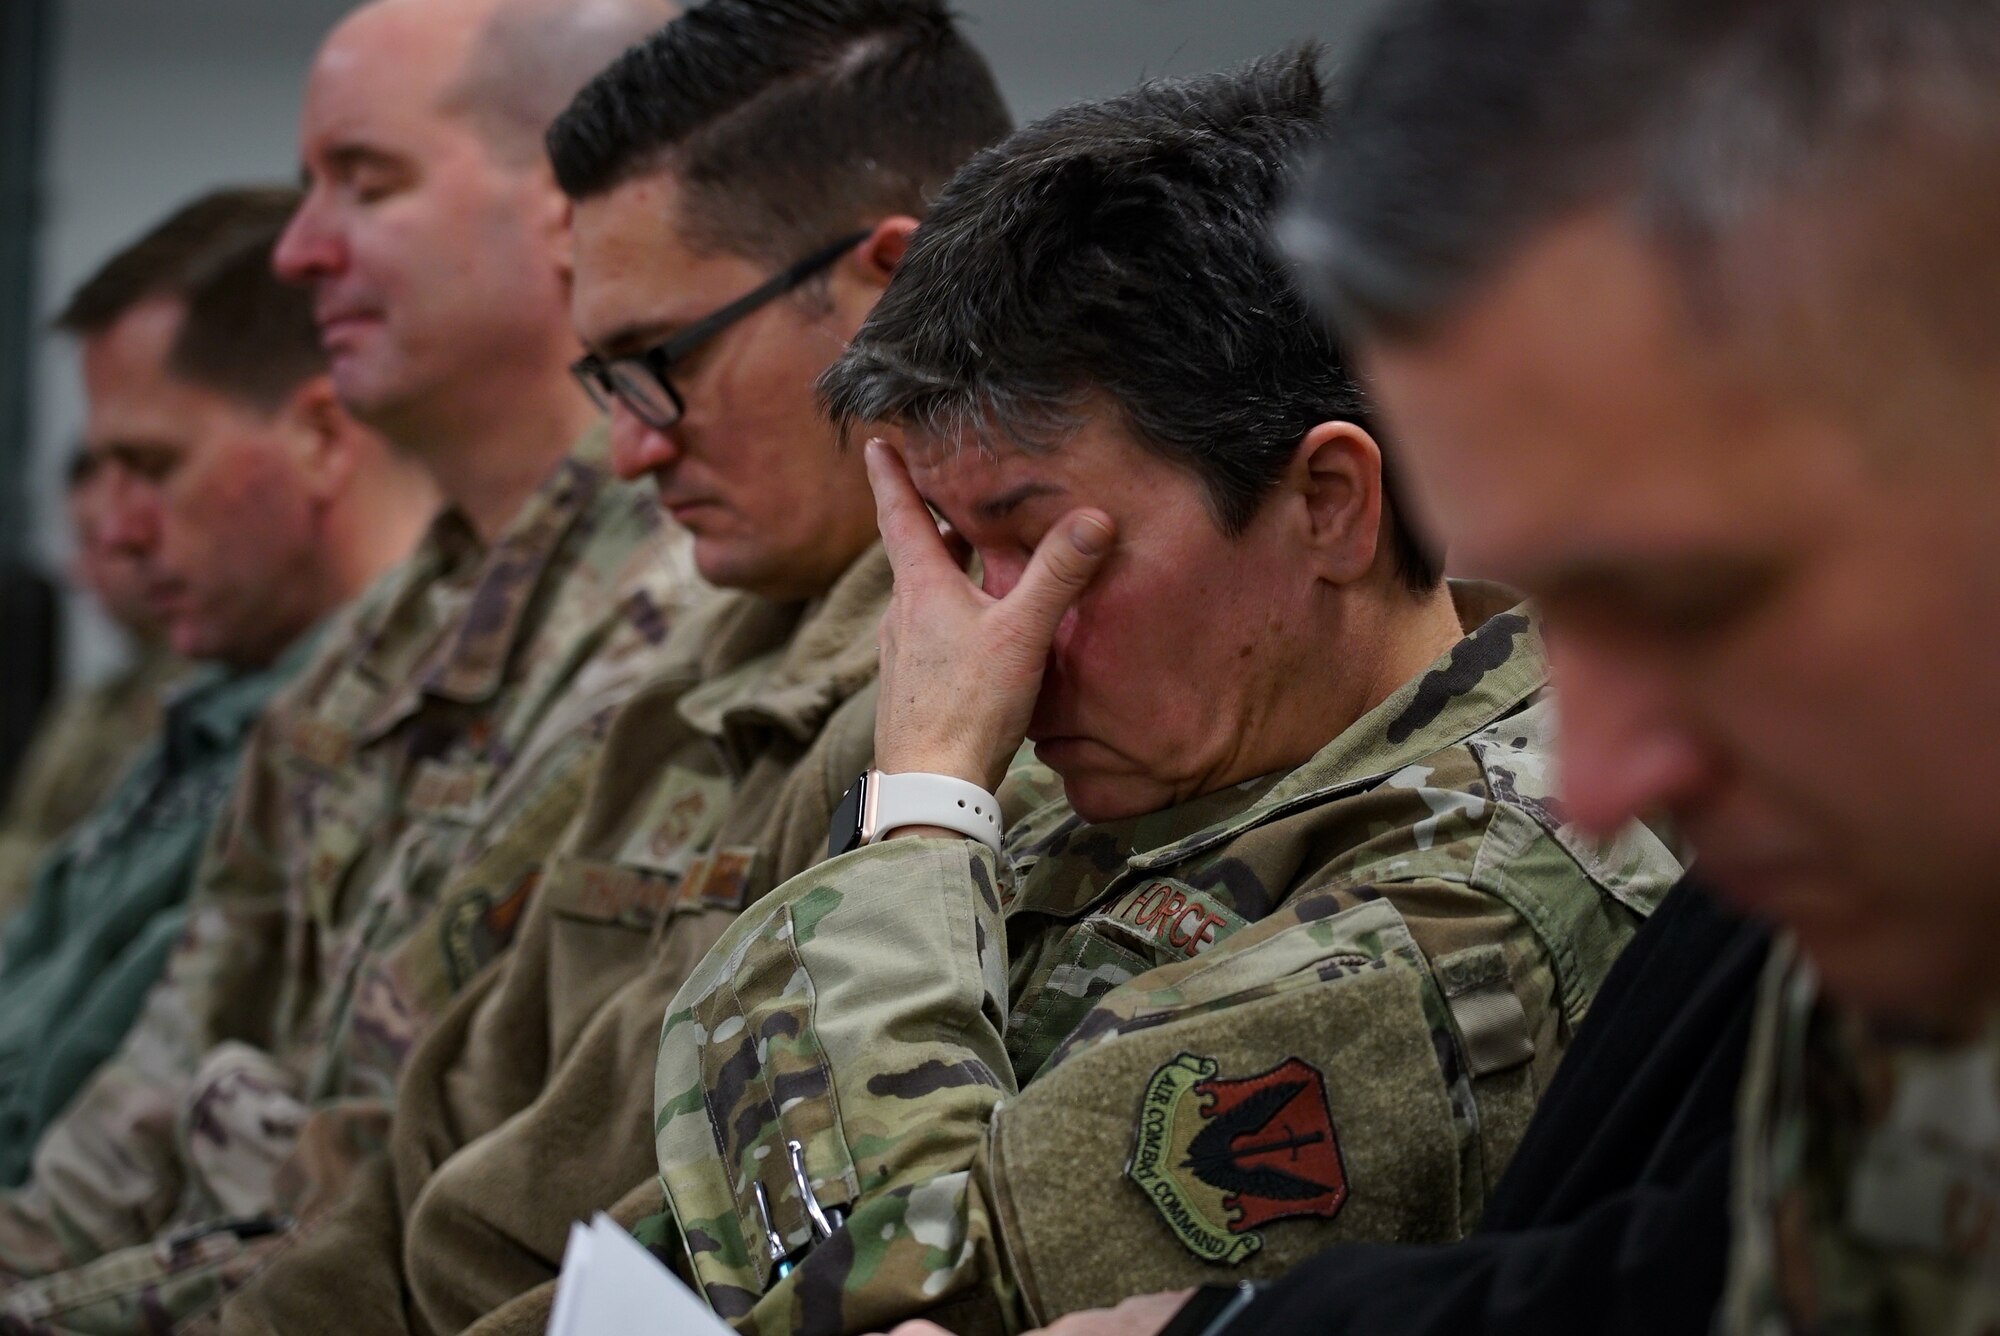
column 243, row 334
column 1118, row 248
column 1468, row 127
column 787, row 122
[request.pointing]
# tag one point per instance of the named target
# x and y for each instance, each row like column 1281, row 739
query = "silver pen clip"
column 774, row 1246
column 822, row 1226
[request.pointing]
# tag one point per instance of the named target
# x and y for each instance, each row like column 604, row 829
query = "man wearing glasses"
column 727, row 249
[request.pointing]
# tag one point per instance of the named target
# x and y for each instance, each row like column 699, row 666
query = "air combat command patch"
column 1218, row 1158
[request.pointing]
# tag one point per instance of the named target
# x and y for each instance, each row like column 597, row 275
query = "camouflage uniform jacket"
column 1867, row 1176
column 1128, row 1057
column 469, row 686
column 79, row 751
column 108, row 901
column 517, row 1114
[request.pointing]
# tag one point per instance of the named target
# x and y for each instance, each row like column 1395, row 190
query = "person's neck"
column 376, row 525
column 371, row 528
column 1418, row 629
column 489, row 456
column 1381, row 642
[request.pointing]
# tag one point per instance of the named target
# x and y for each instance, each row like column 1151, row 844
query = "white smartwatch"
column 879, row 803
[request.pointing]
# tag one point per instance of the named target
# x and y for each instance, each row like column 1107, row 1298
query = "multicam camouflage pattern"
column 174, row 1285
column 470, row 688
column 84, row 744
column 517, row 1114
column 1868, row 1175
column 961, row 1046
column 107, row 903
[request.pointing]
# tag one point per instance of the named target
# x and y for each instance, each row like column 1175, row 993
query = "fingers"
column 1062, row 567
column 919, row 1328
column 908, row 532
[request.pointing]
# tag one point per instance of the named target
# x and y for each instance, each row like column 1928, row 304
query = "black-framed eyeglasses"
column 640, row 381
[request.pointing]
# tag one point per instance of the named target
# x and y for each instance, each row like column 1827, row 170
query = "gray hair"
column 1857, row 131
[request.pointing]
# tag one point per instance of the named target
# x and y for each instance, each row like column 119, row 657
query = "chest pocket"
column 1158, row 922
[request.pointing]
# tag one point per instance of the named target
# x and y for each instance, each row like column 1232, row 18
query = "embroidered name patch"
column 450, row 791
column 325, row 745
column 1171, row 917
column 609, row 893
column 1219, row 1158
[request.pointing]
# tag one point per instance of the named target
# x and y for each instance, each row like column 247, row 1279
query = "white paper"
column 611, row 1286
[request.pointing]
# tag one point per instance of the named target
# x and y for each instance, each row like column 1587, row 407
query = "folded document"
column 611, row 1286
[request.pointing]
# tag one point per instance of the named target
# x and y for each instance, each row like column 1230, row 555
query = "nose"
column 1626, row 749
column 637, row 449
column 310, row 246
column 129, row 518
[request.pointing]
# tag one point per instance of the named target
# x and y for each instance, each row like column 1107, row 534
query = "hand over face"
column 961, row 669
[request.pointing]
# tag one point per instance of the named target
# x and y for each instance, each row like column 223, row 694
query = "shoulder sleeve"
column 858, row 1012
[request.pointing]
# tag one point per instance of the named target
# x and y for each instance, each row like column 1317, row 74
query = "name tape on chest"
column 1173, row 919
column 320, row 742
column 442, row 789
column 640, row 897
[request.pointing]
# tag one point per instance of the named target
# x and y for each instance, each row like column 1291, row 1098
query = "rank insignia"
column 1219, row 1158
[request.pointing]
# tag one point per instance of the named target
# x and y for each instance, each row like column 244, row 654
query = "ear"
column 862, row 274
column 564, row 245
column 323, row 437
column 1337, row 472
column 874, row 261
column 548, row 213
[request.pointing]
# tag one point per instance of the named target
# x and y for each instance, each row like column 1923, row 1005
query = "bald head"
column 530, row 57
column 505, row 66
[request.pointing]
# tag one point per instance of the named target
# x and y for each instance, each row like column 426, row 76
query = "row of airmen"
column 936, row 773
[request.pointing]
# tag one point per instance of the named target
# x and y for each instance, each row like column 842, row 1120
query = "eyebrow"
column 995, row 508
column 1624, row 577
column 629, row 340
column 137, row 454
column 347, row 157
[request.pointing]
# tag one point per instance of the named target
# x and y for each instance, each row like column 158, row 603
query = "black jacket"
column 1612, row 1216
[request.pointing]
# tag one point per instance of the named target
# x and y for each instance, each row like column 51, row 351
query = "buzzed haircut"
column 531, row 56
column 786, row 122
column 1117, row 251
column 1863, row 132
column 243, row 333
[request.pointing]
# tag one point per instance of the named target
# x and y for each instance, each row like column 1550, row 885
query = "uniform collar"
column 1499, row 666
column 215, row 706
column 1492, row 672
column 499, row 585
column 814, row 657
column 474, row 668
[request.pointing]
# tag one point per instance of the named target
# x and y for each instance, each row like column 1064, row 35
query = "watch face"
column 845, row 834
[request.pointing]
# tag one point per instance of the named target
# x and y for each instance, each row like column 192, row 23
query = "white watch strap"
column 936, row 800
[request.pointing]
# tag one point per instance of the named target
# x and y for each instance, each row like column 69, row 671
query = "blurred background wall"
column 144, row 102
